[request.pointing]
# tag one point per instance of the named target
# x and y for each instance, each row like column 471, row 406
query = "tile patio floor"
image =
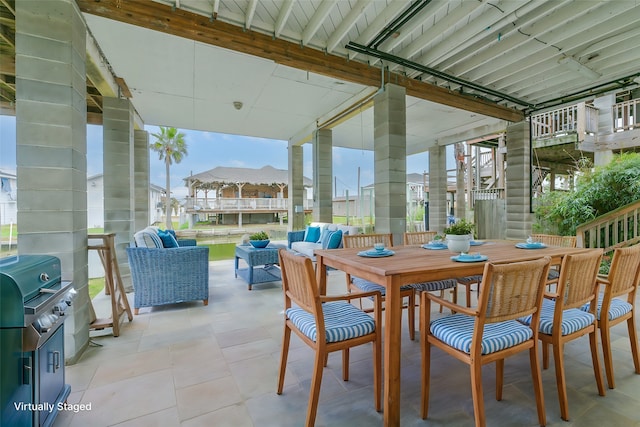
column 190, row 365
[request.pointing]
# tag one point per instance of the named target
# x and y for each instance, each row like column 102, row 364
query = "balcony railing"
column 486, row 194
column 579, row 118
column 626, row 115
column 242, row 204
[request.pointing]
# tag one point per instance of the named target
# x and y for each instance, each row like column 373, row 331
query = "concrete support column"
column 141, row 168
column 117, row 126
column 518, row 180
column 322, row 176
column 239, row 185
column 602, row 158
column 603, row 153
column 438, row 188
column 296, row 188
column 390, row 161
column 461, row 201
column 51, row 136
column 500, row 157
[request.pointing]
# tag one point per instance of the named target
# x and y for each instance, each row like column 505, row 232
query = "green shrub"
column 598, row 191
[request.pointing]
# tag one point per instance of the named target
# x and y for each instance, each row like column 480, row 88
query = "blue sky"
column 207, row 150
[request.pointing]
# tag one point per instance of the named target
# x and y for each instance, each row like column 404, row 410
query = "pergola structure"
column 395, row 77
column 238, row 191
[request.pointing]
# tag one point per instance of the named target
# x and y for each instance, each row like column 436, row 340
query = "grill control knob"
column 43, row 324
column 61, row 307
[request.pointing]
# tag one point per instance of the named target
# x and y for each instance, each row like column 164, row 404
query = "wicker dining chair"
column 491, row 332
column 618, row 301
column 555, row 240
column 357, row 284
column 562, row 320
column 326, row 324
column 420, row 238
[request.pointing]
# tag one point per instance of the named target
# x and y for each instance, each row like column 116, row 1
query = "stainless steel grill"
column 33, row 303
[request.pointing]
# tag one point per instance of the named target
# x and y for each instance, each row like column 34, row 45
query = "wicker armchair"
column 169, row 275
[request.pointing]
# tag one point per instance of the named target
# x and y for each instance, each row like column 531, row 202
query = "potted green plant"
column 259, row 239
column 459, row 235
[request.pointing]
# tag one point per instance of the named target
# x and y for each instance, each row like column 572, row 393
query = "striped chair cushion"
column 573, row 319
column 368, row 286
column 470, row 279
column 147, row 238
column 553, row 274
column 457, row 331
column 437, row 285
column 342, row 321
column 618, row 307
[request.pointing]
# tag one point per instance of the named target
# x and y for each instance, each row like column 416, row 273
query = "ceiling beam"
column 8, row 36
column 347, row 23
column 98, row 69
column 452, row 19
column 413, row 24
column 159, row 17
column 9, row 6
column 251, row 11
column 390, row 13
column 316, row 20
column 492, row 21
column 283, row 16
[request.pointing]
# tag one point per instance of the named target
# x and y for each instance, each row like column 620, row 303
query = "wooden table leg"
column 392, row 341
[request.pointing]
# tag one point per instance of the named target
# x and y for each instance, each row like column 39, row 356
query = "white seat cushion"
column 306, row 248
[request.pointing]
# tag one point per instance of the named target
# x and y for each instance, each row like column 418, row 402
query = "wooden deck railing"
column 626, row 115
column 613, row 230
column 241, row 204
column 579, row 118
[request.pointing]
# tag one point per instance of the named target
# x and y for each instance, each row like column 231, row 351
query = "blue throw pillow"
column 168, row 241
column 324, row 236
column 331, row 239
column 335, row 239
column 312, row 234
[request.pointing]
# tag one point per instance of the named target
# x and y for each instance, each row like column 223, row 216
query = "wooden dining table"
column 414, row 264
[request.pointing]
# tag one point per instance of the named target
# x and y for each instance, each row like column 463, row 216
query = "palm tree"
column 170, row 146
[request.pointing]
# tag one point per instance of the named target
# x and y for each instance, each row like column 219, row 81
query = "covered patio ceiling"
column 469, row 66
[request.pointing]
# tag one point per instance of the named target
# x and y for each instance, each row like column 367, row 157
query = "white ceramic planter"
column 458, row 242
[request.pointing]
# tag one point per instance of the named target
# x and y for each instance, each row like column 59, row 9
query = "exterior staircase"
column 612, row 230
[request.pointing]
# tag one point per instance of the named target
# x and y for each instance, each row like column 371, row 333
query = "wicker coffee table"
column 262, row 264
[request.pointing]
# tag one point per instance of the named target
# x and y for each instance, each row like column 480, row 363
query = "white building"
column 8, row 197
column 95, row 202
